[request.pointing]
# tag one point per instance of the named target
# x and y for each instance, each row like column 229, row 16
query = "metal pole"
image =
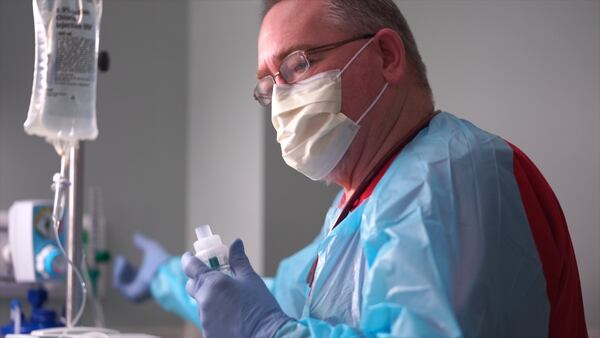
column 74, row 230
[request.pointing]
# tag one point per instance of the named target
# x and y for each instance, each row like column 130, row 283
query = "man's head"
column 357, row 17
column 391, row 58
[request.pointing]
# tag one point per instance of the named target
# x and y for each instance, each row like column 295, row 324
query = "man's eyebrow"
column 281, row 55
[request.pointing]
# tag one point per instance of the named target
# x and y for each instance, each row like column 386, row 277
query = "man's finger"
column 123, row 271
column 238, row 260
column 192, row 266
column 190, row 287
column 141, row 241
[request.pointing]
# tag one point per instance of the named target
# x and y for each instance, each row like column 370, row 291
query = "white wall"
column 225, row 152
column 530, row 72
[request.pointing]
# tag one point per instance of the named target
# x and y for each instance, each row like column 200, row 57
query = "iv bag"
column 63, row 99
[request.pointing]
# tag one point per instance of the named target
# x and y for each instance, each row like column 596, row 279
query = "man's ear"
column 393, row 55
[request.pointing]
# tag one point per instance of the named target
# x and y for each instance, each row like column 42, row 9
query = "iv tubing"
column 61, row 183
column 98, row 309
column 79, row 276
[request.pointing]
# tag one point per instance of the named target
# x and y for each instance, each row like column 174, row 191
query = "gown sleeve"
column 168, row 290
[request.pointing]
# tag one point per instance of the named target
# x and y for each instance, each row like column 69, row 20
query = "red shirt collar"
column 369, row 190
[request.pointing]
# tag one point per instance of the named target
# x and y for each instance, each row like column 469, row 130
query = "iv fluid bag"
column 63, row 98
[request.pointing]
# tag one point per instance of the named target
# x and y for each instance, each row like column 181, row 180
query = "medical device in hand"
column 210, row 249
column 63, row 99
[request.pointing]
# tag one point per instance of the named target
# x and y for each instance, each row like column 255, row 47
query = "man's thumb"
column 237, row 258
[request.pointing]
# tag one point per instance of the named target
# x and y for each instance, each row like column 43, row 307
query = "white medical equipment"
column 34, row 252
column 30, row 258
column 15, row 314
column 210, row 249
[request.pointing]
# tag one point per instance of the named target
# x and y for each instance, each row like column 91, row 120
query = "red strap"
column 369, row 190
column 551, row 236
column 363, row 197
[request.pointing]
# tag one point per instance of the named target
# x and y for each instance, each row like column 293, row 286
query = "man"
column 442, row 229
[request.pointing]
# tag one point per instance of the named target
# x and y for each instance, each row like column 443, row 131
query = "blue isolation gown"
column 441, row 248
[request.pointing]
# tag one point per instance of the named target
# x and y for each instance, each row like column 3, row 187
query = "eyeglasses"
column 293, row 67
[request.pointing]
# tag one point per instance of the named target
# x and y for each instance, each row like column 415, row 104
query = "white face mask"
column 313, row 132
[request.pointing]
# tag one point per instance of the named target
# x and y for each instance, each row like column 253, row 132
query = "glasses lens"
column 264, row 90
column 294, row 66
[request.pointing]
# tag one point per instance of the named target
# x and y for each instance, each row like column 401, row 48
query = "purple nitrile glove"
column 238, row 306
column 134, row 283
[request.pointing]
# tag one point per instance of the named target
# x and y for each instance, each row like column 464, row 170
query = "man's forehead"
column 277, row 54
column 290, row 25
column 280, row 51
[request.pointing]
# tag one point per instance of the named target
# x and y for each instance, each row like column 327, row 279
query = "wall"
column 225, row 154
column 139, row 157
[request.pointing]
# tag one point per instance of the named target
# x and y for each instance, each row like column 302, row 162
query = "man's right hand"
column 134, row 282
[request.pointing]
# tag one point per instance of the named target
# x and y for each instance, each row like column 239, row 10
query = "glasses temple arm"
column 336, row 44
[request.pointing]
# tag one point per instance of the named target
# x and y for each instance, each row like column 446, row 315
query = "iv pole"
column 74, row 230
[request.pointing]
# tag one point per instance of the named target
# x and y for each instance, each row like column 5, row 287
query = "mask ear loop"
column 380, row 92
column 355, row 56
column 373, row 103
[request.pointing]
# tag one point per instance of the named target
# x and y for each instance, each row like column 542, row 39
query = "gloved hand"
column 239, row 306
column 132, row 282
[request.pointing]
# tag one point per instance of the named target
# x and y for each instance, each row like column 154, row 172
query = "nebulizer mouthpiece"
column 203, row 232
column 211, row 250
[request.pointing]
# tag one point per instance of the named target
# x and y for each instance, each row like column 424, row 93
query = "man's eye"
column 299, row 67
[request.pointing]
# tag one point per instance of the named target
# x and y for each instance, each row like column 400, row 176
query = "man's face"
column 296, row 25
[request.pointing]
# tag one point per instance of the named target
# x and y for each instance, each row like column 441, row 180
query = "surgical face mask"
column 313, row 132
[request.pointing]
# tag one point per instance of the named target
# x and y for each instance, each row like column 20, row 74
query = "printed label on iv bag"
column 63, row 100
